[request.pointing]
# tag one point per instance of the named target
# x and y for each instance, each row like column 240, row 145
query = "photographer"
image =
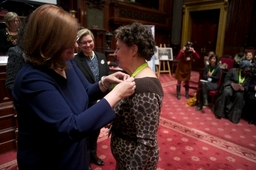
column 185, row 57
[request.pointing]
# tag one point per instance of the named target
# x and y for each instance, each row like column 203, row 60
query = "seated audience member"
column 9, row 35
column 240, row 55
column 16, row 59
column 249, row 57
column 250, row 102
column 230, row 101
column 207, row 57
column 210, row 80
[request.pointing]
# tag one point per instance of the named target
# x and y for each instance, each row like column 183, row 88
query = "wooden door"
column 204, row 33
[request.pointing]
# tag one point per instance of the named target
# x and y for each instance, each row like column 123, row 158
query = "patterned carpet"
column 190, row 139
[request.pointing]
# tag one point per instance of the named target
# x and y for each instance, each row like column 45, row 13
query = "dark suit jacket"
column 84, row 67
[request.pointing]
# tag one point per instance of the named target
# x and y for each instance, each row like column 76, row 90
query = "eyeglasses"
column 15, row 20
column 85, row 42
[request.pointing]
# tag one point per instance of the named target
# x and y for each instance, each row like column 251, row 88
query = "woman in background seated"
column 250, row 102
column 9, row 35
column 210, row 82
column 231, row 97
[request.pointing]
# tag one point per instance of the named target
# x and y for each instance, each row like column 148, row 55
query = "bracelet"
column 102, row 83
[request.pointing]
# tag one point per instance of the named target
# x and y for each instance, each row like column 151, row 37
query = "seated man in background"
column 249, row 57
column 230, row 101
column 240, row 55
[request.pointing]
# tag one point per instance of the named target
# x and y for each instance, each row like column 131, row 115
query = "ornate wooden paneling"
column 99, row 40
column 125, row 13
column 240, row 26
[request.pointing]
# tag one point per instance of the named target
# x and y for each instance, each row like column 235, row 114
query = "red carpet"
column 188, row 139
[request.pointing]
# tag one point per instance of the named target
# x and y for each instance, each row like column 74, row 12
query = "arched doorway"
column 204, row 24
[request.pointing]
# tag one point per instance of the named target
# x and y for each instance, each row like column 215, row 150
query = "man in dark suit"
column 94, row 66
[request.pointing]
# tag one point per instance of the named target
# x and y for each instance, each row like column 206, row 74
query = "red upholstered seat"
column 214, row 93
column 229, row 61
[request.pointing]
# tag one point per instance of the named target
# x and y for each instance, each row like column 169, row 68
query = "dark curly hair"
column 140, row 35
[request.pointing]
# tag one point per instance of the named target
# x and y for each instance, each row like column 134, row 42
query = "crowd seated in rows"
column 230, row 101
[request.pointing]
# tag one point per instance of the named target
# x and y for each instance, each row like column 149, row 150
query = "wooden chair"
column 214, row 93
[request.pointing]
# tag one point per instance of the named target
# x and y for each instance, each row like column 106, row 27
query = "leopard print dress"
column 134, row 131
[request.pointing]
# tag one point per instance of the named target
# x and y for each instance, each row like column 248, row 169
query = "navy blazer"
column 80, row 60
column 54, row 118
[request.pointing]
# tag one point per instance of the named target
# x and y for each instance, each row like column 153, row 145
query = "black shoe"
column 199, row 107
column 251, row 122
column 97, row 161
column 178, row 96
column 217, row 117
column 186, row 95
column 206, row 102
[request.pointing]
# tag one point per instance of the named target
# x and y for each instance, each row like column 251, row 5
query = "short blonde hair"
column 9, row 17
column 49, row 31
column 84, row 32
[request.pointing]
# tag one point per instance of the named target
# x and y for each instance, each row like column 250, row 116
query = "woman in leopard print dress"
column 134, row 131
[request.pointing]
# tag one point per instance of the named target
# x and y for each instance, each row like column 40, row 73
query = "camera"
column 188, row 45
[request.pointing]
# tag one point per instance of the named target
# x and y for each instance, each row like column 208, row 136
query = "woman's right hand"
column 126, row 88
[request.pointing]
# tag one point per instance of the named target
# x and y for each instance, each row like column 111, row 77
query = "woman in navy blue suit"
column 51, row 95
column 94, row 66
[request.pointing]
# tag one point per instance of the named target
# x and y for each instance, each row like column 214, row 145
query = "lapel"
column 85, row 67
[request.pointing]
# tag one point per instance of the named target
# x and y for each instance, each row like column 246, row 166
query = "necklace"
column 141, row 67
